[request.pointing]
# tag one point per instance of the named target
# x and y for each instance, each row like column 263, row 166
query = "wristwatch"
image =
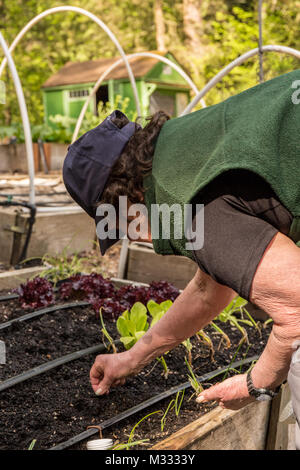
column 260, row 394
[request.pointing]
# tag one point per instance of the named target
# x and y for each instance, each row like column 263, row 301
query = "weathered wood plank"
column 222, row 429
column 145, row 265
column 12, row 279
column 279, row 433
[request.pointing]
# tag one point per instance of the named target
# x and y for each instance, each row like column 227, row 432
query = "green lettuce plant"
column 157, row 311
column 132, row 324
column 227, row 315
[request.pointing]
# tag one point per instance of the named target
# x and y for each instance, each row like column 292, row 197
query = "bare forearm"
column 273, row 365
column 199, row 303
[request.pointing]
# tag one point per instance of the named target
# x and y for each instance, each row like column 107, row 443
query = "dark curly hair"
column 126, row 177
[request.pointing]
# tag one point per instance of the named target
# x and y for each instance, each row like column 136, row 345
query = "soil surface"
column 60, row 404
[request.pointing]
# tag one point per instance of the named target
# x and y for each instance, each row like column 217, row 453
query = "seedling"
column 106, row 335
column 60, row 266
column 193, row 379
column 32, row 444
column 188, row 345
column 162, row 360
column 175, row 404
column 157, row 311
column 219, row 330
column 227, row 314
column 232, row 360
column 204, row 338
column 132, row 325
column 130, row 442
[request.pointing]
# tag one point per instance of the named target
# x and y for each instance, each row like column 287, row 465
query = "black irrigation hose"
column 51, row 365
column 135, row 409
column 43, row 311
column 3, row 298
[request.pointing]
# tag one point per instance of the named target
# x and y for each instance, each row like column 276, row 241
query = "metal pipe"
column 97, row 21
column 114, row 66
column 24, row 116
column 238, row 61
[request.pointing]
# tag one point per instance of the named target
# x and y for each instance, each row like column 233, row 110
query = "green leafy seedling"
column 132, row 325
column 157, row 311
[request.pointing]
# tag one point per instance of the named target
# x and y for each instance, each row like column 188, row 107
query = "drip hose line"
column 151, row 401
column 4, row 298
column 43, row 311
column 41, row 369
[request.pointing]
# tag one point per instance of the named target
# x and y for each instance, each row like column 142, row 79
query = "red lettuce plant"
column 100, row 292
column 110, row 308
column 159, row 291
column 86, row 287
column 36, row 293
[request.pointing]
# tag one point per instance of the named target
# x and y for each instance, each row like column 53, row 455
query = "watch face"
column 263, row 397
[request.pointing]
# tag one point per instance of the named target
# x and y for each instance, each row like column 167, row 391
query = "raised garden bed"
column 59, row 404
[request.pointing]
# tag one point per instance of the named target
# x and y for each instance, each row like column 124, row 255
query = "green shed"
column 159, row 86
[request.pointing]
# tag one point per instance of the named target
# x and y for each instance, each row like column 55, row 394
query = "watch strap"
column 258, row 392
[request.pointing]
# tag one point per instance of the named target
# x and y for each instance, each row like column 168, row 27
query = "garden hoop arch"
column 115, row 65
column 24, row 116
column 238, row 61
column 96, row 20
column 19, row 90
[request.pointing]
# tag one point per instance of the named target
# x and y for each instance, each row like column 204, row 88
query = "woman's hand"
column 232, row 393
column 111, row 370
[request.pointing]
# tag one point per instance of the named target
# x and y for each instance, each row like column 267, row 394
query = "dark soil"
column 59, row 404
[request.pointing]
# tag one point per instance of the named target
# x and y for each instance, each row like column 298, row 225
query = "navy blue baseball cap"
column 89, row 162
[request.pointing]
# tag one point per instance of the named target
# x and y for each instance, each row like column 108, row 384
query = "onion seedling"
column 106, row 334
column 130, row 441
column 193, row 379
column 188, row 345
column 219, row 330
column 204, row 338
column 175, row 403
column 32, row 444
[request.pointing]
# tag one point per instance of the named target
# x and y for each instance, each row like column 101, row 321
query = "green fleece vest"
column 257, row 130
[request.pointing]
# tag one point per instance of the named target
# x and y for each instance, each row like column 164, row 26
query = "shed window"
column 78, row 93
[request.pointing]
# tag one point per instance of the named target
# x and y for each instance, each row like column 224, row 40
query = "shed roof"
column 73, row 73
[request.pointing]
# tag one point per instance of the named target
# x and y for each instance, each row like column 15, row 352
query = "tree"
column 159, row 25
column 193, row 26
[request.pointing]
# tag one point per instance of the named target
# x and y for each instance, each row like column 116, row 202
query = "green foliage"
column 60, row 266
column 130, row 442
column 229, row 29
column 32, row 444
column 192, row 378
column 227, row 315
column 174, row 404
column 62, row 127
column 106, row 335
column 91, row 120
column 158, row 310
column 132, row 325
